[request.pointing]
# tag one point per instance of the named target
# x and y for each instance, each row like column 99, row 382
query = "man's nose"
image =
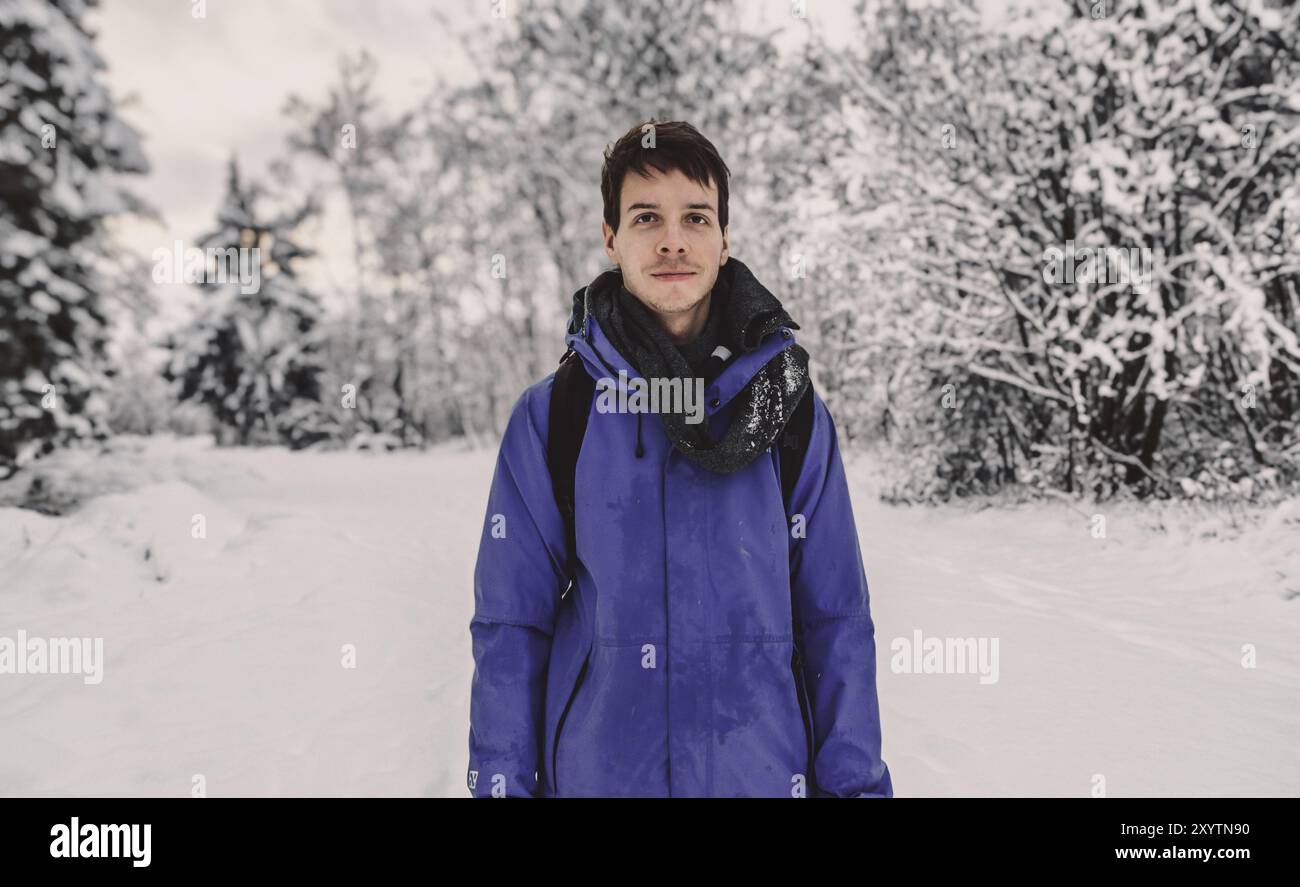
column 673, row 240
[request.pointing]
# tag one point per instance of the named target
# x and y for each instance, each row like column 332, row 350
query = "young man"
column 716, row 639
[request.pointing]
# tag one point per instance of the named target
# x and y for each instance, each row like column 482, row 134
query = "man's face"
column 667, row 223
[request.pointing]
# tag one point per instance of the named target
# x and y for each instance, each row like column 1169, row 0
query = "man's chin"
column 664, row 298
column 678, row 305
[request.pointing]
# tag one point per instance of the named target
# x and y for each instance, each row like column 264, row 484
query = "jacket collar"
column 602, row 359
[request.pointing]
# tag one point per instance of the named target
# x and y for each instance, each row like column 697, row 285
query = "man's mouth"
column 673, row 275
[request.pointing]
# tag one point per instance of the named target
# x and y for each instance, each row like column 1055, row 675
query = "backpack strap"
column 793, row 444
column 571, row 396
column 792, row 447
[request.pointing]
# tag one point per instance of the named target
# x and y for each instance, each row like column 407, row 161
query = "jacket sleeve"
column 518, row 580
column 829, row 586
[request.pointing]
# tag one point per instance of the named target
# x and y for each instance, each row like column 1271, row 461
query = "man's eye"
column 703, row 219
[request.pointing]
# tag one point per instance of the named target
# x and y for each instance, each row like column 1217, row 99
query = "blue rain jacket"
column 666, row 670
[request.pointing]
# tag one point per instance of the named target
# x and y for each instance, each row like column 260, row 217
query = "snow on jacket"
column 666, row 670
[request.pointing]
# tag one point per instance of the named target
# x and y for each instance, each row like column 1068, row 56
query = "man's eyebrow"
column 637, row 206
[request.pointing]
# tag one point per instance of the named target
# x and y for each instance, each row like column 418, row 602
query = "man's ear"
column 723, row 260
column 607, row 235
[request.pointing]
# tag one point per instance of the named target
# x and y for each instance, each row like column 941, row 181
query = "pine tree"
column 253, row 358
column 60, row 138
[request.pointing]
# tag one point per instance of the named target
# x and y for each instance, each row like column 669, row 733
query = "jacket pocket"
column 559, row 726
column 805, row 714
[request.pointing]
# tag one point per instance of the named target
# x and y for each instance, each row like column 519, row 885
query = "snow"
column 1119, row 656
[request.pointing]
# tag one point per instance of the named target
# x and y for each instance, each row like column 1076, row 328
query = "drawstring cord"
column 640, row 450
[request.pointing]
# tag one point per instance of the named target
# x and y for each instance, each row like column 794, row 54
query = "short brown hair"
column 677, row 145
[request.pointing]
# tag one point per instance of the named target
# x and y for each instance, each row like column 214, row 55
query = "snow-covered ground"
column 1119, row 658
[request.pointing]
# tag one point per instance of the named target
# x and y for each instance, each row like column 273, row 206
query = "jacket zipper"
column 796, row 666
column 555, row 749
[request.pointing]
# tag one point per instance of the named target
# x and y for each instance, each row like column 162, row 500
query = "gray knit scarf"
column 749, row 313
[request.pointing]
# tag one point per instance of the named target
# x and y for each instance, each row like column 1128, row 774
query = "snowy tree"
column 1161, row 138
column 251, row 354
column 61, row 140
column 360, row 146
